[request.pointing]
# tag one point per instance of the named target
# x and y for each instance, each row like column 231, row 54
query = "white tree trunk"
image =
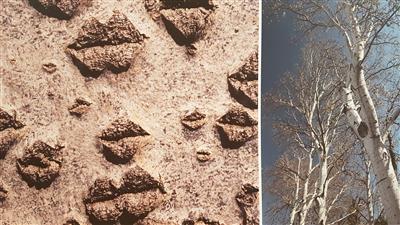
column 293, row 214
column 322, row 189
column 369, row 194
column 307, row 197
column 367, row 128
column 387, row 183
column 306, row 206
column 295, row 208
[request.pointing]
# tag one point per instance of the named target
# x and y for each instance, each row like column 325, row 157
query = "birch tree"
column 288, row 184
column 309, row 122
column 366, row 29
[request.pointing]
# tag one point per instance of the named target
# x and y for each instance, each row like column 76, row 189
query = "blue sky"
column 280, row 54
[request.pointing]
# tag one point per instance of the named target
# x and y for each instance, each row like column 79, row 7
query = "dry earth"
column 39, row 81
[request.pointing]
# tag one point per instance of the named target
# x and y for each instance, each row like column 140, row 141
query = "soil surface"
column 152, row 90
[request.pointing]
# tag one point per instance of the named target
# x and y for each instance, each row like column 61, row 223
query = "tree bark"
column 366, row 127
column 322, row 190
column 369, row 194
column 295, row 210
column 306, row 204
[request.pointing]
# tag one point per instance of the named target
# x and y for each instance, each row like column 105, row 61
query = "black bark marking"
column 345, row 109
column 362, row 129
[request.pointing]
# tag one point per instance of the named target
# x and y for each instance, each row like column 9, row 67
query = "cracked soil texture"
column 39, row 81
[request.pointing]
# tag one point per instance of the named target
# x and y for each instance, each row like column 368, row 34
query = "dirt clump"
column 111, row 45
column 201, row 221
column 193, row 120
column 61, row 9
column 8, row 139
column 40, row 165
column 155, row 6
column 243, row 85
column 117, row 30
column 207, row 4
column 49, row 67
column 147, row 221
column 185, row 26
column 199, row 218
column 71, row 222
column 137, row 195
column 236, row 127
column 93, row 61
column 185, row 20
column 9, row 136
column 203, row 155
column 9, row 121
column 248, row 204
column 3, row 193
column 80, row 107
column 122, row 139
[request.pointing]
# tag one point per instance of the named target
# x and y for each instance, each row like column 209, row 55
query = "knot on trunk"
column 362, row 129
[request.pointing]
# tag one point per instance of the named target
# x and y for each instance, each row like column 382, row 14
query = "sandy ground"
column 161, row 84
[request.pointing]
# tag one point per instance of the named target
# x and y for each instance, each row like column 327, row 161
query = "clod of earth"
column 117, row 30
column 193, row 120
column 243, row 85
column 247, row 199
column 147, row 221
column 207, row 4
column 40, row 165
column 72, row 222
column 80, row 107
column 8, row 121
column 155, row 6
column 3, row 193
column 93, row 61
column 203, row 155
column 236, row 127
column 186, row 25
column 111, row 45
column 122, row 139
column 200, row 221
column 131, row 199
column 61, row 9
column 8, row 139
column 49, row 67
column 8, row 134
column 185, row 20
